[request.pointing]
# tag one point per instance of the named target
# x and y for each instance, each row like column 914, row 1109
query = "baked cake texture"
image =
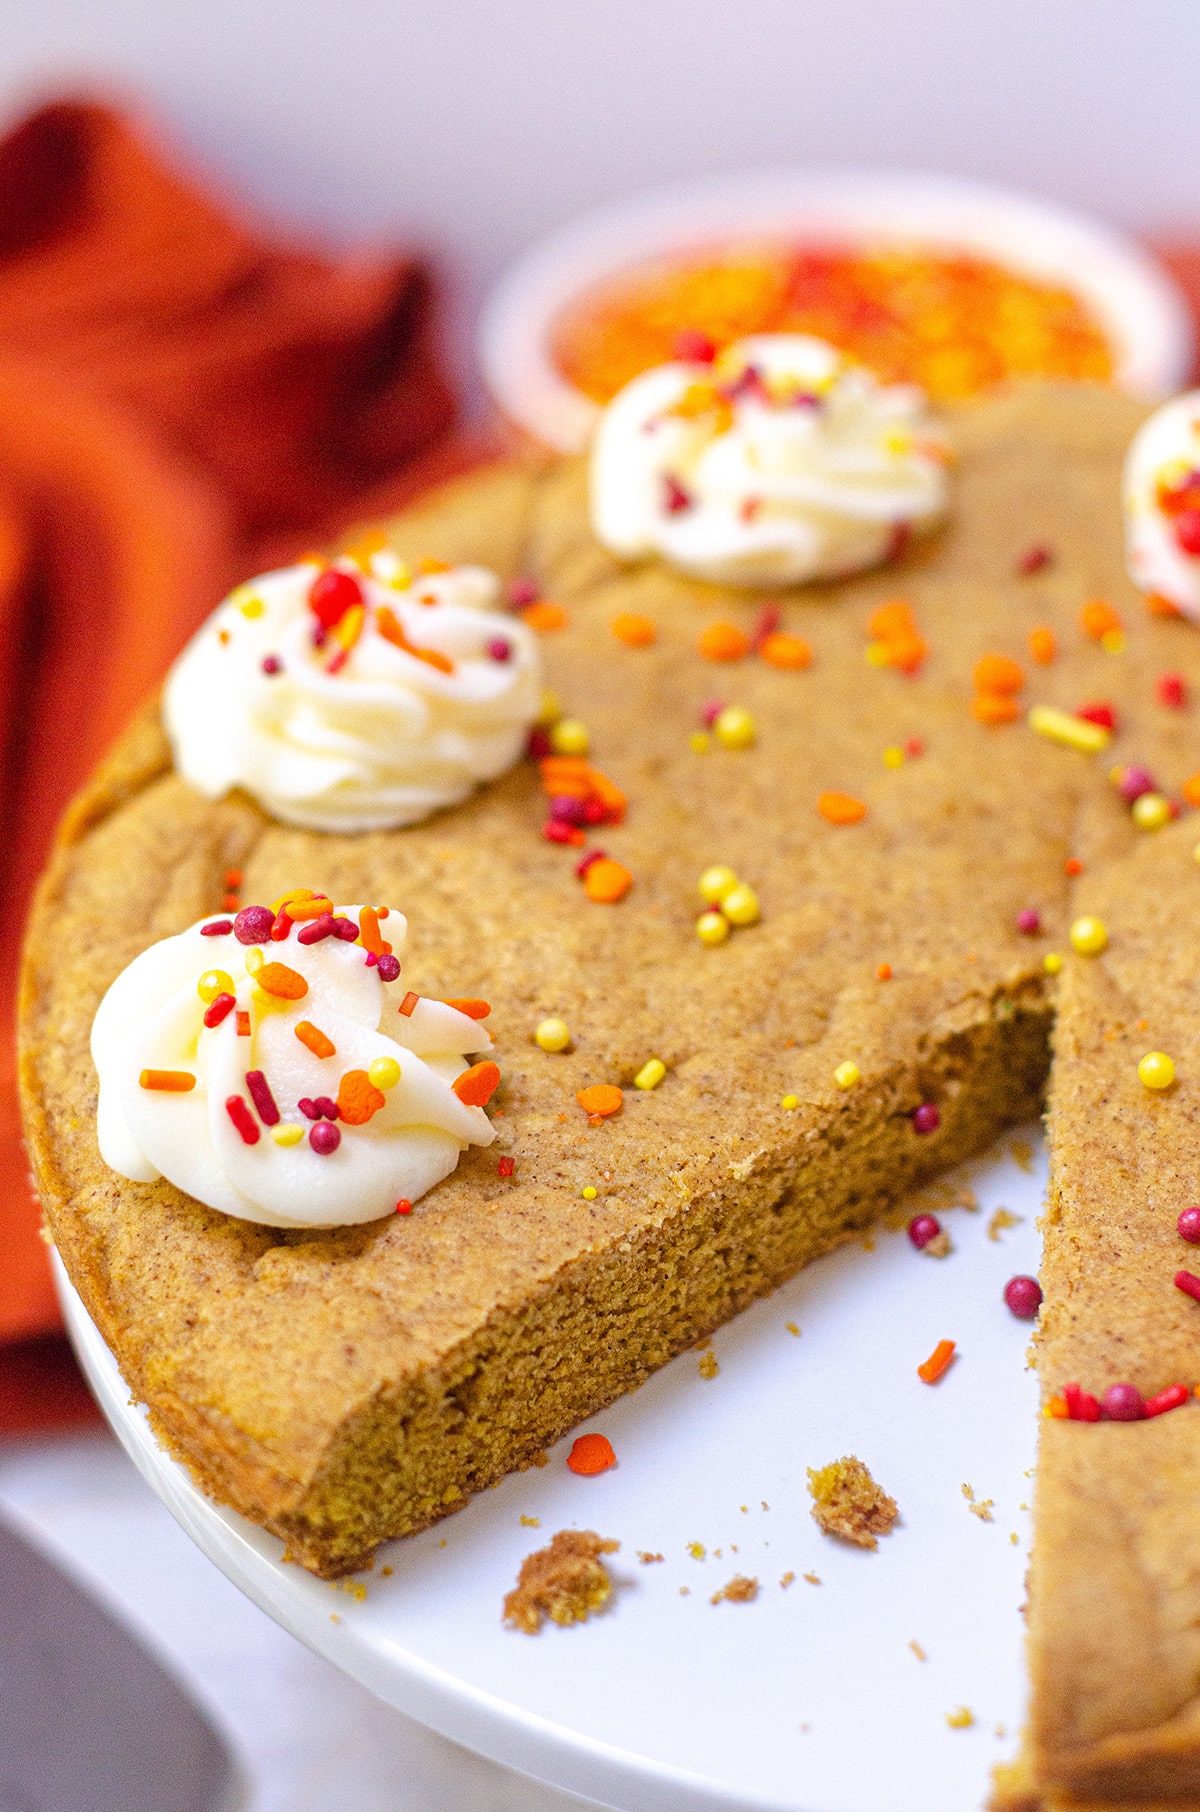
column 349, row 1386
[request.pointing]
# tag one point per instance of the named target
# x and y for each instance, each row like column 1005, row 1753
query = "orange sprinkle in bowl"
column 1098, row 619
column 841, row 808
column 606, row 881
column 544, row 616
column 1043, row 644
column 998, row 673
column 723, row 642
column 790, row 653
column 601, row 1100
column 633, row 630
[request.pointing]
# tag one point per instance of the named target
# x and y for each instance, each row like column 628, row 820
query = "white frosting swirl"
column 262, row 697
column 152, row 1019
column 1161, row 489
column 781, row 462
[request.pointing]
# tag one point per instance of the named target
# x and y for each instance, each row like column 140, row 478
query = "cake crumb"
column 334, row 1618
column 791, row 1327
column 983, row 1508
column 530, row 1522
column 566, row 1581
column 848, row 1503
column 685, row 1591
column 708, row 1367
column 696, row 1550
column 787, row 1580
column 764, row 1503
column 1000, row 1220
column 918, row 1651
column 1022, row 1152
column 538, row 1459
column 738, row 1590
column 387, row 1572
column 813, row 1578
column 960, row 1719
column 647, row 1559
column 442, row 1543
column 939, row 1246
column 868, row 1244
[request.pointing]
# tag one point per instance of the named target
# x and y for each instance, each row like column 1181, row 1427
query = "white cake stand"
column 812, row 1698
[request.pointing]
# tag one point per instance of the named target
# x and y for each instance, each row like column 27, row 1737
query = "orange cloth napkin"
column 180, row 397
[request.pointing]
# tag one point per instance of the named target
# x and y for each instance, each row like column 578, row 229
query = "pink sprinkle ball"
column 522, row 592
column 324, row 1138
column 332, row 594
column 594, row 812
column 927, row 1118
column 539, row 744
column 253, row 925
column 1188, row 1226
column 1133, row 783
column 557, row 830
column 1172, row 691
column 565, row 808
column 499, row 649
column 271, row 665
column 388, row 967
column 1023, row 1296
column 1123, row 1403
column 922, row 1228
column 674, row 497
column 694, row 348
column 585, row 862
column 710, row 712
column 1029, row 921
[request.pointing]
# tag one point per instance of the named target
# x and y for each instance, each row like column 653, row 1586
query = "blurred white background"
column 480, row 124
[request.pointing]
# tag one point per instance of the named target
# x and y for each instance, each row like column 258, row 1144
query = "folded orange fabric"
column 179, row 396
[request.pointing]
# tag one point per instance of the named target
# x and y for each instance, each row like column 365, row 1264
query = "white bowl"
column 1141, row 310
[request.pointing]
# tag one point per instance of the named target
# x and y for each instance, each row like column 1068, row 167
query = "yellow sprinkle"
column 741, row 906
column 699, row 742
column 569, row 737
column 790, row 1103
column 716, row 884
column 384, row 1073
column 1156, row 1070
column 650, row 1074
column 877, row 654
column 551, row 709
column 895, row 440
column 1089, row 935
column 1113, row 641
column 893, row 757
column 212, row 983
column 401, row 576
column 1052, row 962
column 287, row 1135
column 553, row 1035
column 712, row 927
column 1196, row 853
column 962, row 1719
column 1151, row 811
column 588, row 1194
column 254, row 960
column 846, row 1074
column 735, row 728
column 252, row 606
column 1063, row 726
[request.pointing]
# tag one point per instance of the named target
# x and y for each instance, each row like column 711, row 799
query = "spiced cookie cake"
column 912, row 843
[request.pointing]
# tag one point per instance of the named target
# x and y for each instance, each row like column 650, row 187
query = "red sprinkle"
column 590, row 1454
column 263, row 1099
column 408, row 1003
column 404, row 1206
column 331, row 594
column 927, row 1118
column 585, row 862
column 694, row 348
column 522, row 592
column 675, row 498
column 505, row 1167
column 1187, row 531
column 218, row 928
column 1101, row 712
column 242, row 1118
column 219, row 1008
column 557, row 830
column 1029, row 921
column 539, row 744
column 316, row 929
column 1023, row 1297
column 324, row 1137
column 914, row 747
column 282, row 926
column 922, row 1228
column 1174, row 1397
column 1188, row 1226
column 770, row 617
column 1172, row 691
column 1123, row 1403
column 710, row 712
column 1033, row 560
column 1189, row 1284
column 1081, row 1405
column 243, row 1023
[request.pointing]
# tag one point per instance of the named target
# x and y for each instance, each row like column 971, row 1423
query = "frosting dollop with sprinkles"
column 274, row 1067
column 344, row 699
column 780, row 461
column 1161, row 488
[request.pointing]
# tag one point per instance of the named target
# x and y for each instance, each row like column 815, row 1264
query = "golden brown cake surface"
column 343, row 1387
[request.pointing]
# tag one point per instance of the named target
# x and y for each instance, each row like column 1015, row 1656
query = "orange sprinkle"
column 170, row 1082
column 907, row 652
column 590, row 1454
column 938, row 1362
column 606, row 881
column 476, row 1086
column 1098, row 619
column 1056, row 1409
column 841, row 808
column 408, row 1003
column 392, row 630
column 282, row 982
column 233, row 879
column 242, row 1018
column 474, row 1009
column 634, row 630
column 358, row 1098
column 895, row 618
column 723, row 642
column 370, row 542
column 601, row 1100
column 311, row 908
column 788, row 652
column 1072, row 866
column 1043, row 644
column 609, row 794
column 314, row 1039
column 884, row 972
column 285, row 899
column 997, row 673
column 429, row 565
column 544, row 616
column 1191, row 789
column 994, row 708
column 368, row 932
column 1158, row 606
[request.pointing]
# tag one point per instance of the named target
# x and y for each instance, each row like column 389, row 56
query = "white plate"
column 1139, row 306
column 808, row 1699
